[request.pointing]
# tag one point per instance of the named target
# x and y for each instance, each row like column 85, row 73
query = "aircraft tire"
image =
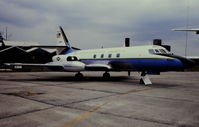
column 141, row 81
column 79, row 76
column 106, row 75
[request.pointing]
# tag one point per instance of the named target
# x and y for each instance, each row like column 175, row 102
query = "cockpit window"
column 163, row 51
column 151, row 51
column 158, row 51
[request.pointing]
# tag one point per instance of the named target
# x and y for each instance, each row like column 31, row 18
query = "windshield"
column 159, row 51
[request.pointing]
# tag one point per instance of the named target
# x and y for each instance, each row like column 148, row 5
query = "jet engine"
column 74, row 66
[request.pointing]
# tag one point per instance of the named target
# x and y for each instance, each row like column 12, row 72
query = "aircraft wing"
column 189, row 30
column 71, row 66
column 74, row 66
column 52, row 66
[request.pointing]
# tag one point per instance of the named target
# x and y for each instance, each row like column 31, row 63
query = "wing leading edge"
column 52, row 66
column 75, row 66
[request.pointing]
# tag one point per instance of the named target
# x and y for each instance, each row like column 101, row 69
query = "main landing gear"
column 79, row 75
column 129, row 73
column 145, row 79
column 106, row 75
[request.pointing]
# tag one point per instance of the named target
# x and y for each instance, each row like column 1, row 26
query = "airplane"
column 147, row 59
column 196, row 30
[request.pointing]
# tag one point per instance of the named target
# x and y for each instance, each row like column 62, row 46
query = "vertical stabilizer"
column 61, row 38
column 63, row 41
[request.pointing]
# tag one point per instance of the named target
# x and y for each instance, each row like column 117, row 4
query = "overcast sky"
column 97, row 23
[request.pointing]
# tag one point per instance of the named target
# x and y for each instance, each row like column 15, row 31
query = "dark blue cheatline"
column 144, row 64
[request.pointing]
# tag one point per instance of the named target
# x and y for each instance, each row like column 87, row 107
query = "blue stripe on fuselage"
column 144, row 64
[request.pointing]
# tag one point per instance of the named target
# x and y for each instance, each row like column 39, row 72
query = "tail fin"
column 63, row 41
column 61, row 38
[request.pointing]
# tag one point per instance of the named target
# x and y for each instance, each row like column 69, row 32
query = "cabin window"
column 109, row 55
column 118, row 55
column 94, row 56
column 102, row 55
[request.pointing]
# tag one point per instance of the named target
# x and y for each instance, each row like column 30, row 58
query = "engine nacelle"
column 74, row 66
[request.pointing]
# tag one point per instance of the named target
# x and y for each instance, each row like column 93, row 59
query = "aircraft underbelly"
column 157, row 64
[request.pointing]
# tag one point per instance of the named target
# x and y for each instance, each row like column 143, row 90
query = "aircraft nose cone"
column 185, row 61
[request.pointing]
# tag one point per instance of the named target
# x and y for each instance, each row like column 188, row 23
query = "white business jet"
column 150, row 59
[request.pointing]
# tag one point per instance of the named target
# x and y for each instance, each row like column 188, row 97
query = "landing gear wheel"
column 79, row 76
column 106, row 75
column 141, row 81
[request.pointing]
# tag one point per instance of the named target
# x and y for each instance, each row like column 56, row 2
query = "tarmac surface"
column 56, row 99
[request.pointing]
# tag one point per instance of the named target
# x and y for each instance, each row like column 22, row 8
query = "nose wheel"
column 145, row 79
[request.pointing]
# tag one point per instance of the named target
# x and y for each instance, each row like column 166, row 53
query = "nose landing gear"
column 145, row 79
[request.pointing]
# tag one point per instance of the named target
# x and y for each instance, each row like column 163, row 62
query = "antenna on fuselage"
column 127, row 42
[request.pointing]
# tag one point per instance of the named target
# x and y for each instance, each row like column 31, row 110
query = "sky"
column 92, row 24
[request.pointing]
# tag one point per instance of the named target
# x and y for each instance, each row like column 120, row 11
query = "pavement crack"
column 142, row 119
column 127, row 117
column 23, row 113
column 105, row 91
